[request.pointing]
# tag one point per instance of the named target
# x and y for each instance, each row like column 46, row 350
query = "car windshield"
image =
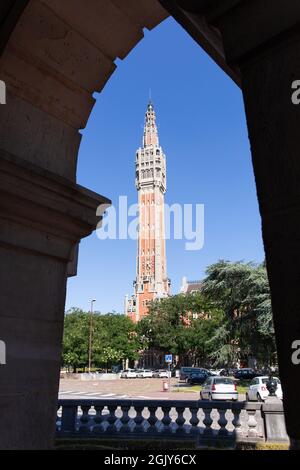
column 264, row 381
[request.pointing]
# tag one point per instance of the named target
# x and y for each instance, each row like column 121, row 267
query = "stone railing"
column 201, row 421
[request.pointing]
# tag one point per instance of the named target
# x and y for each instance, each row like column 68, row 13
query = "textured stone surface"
column 58, row 54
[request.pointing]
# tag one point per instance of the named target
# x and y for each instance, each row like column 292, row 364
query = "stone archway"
column 55, row 55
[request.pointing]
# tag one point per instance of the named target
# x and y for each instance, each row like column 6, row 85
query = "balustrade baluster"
column 111, row 429
column 125, row 429
column 98, row 419
column 207, row 422
column 84, row 419
column 152, row 420
column 166, row 419
column 194, row 421
column 58, row 419
column 222, row 422
column 252, row 424
column 180, row 421
column 139, row 428
column 237, row 422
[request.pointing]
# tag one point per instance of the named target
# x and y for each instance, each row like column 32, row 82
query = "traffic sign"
column 168, row 358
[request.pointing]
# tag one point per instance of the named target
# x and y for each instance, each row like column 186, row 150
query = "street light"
column 91, row 334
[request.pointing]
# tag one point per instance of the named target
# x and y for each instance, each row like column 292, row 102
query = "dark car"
column 197, row 378
column 228, row 372
column 185, row 372
column 246, row 374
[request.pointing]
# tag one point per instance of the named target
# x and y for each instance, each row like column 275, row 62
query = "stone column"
column 42, row 218
column 273, row 416
column 265, row 44
column 273, row 124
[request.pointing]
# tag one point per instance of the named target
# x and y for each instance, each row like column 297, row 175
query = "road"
column 144, row 389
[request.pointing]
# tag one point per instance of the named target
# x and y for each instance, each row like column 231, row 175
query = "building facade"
column 187, row 287
column 151, row 263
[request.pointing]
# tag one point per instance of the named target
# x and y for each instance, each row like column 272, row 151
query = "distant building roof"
column 190, row 286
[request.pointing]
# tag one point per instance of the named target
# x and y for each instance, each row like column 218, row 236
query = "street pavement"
column 143, row 389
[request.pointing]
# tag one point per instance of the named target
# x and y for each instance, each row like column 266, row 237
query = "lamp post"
column 91, row 334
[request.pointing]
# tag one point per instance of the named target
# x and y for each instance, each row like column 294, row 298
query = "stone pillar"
column 265, row 45
column 42, row 218
column 273, row 416
column 273, row 124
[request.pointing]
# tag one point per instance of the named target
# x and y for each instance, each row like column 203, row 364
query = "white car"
column 161, row 373
column 144, row 373
column 128, row 374
column 258, row 391
column 219, row 388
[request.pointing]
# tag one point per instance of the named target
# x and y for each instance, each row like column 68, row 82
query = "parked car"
column 258, row 391
column 219, row 388
column 161, row 373
column 197, row 378
column 128, row 374
column 246, row 374
column 227, row 372
column 144, row 373
column 186, row 371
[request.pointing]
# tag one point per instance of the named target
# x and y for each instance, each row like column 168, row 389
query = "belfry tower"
column 151, row 267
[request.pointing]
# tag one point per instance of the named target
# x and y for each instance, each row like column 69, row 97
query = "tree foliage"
column 113, row 339
column 181, row 324
column 242, row 291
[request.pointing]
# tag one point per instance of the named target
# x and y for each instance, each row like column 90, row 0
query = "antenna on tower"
column 150, row 95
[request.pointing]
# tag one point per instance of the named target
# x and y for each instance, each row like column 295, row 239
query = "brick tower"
column 151, row 270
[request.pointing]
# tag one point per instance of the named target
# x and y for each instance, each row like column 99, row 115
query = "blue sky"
column 203, row 133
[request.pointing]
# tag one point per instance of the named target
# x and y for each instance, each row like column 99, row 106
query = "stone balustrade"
column 201, row 421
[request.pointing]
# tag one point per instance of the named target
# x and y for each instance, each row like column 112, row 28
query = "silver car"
column 219, row 388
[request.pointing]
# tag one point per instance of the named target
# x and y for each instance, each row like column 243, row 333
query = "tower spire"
column 150, row 136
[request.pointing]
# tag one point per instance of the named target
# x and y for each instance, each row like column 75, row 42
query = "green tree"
column 113, row 339
column 242, row 291
column 181, row 324
column 75, row 339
